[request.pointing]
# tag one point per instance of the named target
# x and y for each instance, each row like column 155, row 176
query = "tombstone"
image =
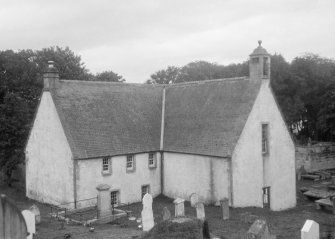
column 166, row 214
column 12, row 223
column 200, row 211
column 179, row 210
column 34, row 209
column 259, row 230
column 205, row 231
column 194, row 199
column 29, row 217
column 104, row 206
column 333, row 179
column 225, row 208
column 147, row 214
column 310, row 230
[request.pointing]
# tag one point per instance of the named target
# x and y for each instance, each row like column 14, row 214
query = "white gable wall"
column 185, row 174
column 49, row 168
column 252, row 171
column 89, row 175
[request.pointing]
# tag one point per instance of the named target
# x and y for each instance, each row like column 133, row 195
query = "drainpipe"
column 74, row 182
column 161, row 147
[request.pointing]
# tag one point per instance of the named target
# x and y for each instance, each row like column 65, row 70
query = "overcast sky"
column 136, row 38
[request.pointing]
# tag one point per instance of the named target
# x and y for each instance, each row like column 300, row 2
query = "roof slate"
column 208, row 117
column 106, row 119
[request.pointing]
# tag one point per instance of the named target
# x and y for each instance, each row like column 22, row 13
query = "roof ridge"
column 208, row 81
column 109, row 82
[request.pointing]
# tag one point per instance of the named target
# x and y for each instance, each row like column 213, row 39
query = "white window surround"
column 152, row 160
column 115, row 197
column 106, row 166
column 130, row 163
column 145, row 189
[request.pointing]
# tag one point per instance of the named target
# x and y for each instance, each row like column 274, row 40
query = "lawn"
column 285, row 224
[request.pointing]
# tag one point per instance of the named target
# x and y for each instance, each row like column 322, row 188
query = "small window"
column 106, row 165
column 115, row 198
column 265, row 66
column 145, row 190
column 255, row 60
column 130, row 163
column 265, row 138
column 152, row 160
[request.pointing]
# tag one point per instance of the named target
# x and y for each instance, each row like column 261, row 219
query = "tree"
column 20, row 90
column 108, row 76
column 168, row 76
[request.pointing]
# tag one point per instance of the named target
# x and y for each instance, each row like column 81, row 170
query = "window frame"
column 265, row 138
column 107, row 171
column 117, row 197
column 145, row 186
column 153, row 159
column 132, row 168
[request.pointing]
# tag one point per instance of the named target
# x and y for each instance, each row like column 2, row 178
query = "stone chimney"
column 259, row 63
column 50, row 76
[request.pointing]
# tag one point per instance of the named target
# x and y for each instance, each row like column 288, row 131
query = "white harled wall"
column 184, row 174
column 251, row 170
column 49, row 167
column 89, row 175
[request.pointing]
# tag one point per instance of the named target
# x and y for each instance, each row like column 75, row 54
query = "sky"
column 136, row 38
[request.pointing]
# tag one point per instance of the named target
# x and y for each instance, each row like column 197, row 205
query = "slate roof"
column 106, row 119
column 208, row 117
column 103, row 119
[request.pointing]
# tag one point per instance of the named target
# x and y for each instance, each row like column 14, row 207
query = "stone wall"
column 315, row 157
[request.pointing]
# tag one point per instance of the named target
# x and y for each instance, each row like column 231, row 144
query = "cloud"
column 135, row 38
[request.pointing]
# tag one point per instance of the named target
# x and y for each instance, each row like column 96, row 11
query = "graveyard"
column 283, row 224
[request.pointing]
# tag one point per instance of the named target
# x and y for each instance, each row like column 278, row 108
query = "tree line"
column 304, row 88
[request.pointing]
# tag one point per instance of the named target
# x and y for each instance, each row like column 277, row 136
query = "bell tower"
column 259, row 63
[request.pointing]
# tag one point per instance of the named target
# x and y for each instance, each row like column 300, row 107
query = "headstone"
column 34, row 209
column 205, row 231
column 104, row 206
column 333, row 179
column 194, row 199
column 12, row 223
column 310, row 230
column 225, row 208
column 259, row 230
column 166, row 214
column 200, row 211
column 147, row 214
column 179, row 207
column 29, row 217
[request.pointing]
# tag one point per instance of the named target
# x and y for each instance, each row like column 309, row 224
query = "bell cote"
column 259, row 63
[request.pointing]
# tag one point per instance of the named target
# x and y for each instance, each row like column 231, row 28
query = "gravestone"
column 147, row 214
column 194, row 199
column 259, row 230
column 29, row 217
column 166, row 214
column 179, row 209
column 225, row 208
column 205, row 231
column 34, row 209
column 12, row 223
column 310, row 230
column 200, row 211
column 104, row 206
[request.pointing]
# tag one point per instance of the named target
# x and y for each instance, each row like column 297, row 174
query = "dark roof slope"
column 208, row 117
column 101, row 119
